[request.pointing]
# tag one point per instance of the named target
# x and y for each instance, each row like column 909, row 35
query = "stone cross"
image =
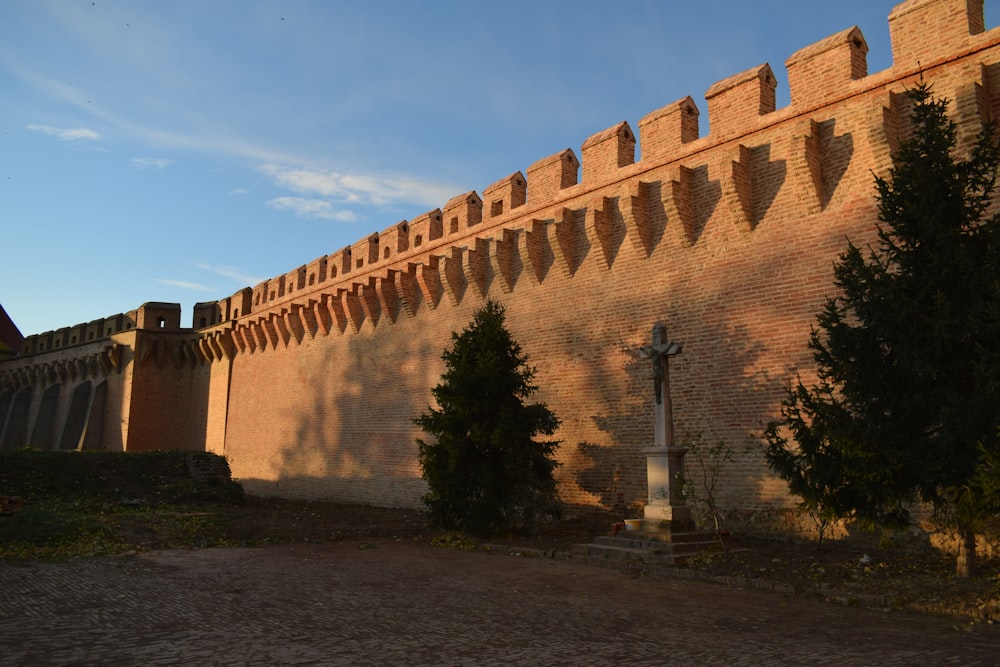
column 665, row 508
column 659, row 353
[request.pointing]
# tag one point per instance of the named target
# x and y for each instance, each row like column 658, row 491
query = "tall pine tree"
column 907, row 406
column 484, row 469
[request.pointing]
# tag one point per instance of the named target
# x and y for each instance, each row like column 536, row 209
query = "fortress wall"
column 729, row 239
column 145, row 384
column 168, row 404
column 69, row 397
column 309, row 380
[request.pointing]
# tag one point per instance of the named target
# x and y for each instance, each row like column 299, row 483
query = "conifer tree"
column 907, row 404
column 484, row 468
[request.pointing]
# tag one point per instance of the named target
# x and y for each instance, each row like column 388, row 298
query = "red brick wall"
column 728, row 239
column 734, row 255
column 168, row 402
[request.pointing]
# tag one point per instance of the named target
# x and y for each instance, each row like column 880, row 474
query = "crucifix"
column 664, row 460
column 659, row 353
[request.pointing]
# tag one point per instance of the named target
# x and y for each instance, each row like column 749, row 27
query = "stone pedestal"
column 666, row 502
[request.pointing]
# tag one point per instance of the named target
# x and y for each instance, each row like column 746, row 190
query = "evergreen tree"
column 907, row 406
column 484, row 470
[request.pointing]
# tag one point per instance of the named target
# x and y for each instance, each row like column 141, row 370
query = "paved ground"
column 396, row 602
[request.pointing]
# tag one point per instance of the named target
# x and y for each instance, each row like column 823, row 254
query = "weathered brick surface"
column 308, row 382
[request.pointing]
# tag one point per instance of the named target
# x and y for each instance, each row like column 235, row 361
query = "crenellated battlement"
column 519, row 220
column 151, row 315
column 478, row 231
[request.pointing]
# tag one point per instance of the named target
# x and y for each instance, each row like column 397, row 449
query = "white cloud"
column 74, row 134
column 230, row 272
column 151, row 162
column 359, row 189
column 239, row 191
column 319, row 209
column 183, row 284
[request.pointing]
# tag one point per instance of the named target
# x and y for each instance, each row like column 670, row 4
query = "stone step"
column 645, row 537
column 648, row 547
column 689, row 546
column 614, row 554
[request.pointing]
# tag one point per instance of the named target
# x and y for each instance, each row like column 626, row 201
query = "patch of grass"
column 454, row 540
column 90, row 503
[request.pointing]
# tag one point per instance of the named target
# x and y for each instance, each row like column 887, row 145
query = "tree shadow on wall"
column 354, row 438
column 602, row 478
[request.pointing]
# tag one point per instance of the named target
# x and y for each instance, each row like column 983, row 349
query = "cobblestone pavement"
column 397, row 602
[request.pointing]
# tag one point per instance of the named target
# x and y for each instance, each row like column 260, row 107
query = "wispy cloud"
column 367, row 190
column 70, row 134
column 319, row 209
column 184, row 284
column 239, row 191
column 230, row 272
column 151, row 162
column 201, row 142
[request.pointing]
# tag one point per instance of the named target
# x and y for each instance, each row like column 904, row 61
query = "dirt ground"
column 839, row 572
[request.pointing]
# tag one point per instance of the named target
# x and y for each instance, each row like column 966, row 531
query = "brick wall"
column 728, row 239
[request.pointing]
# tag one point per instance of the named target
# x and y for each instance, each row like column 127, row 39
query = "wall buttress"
column 562, row 240
column 599, row 219
column 321, row 312
column 205, row 349
column 636, row 215
column 368, row 298
column 971, row 110
column 307, row 313
column 293, row 322
column 477, row 265
column 280, row 323
column 454, row 275
column 388, row 296
column 429, row 279
column 249, row 343
column 408, row 288
column 807, row 166
column 350, row 304
column 884, row 133
column 335, row 306
column 737, row 188
column 259, row 336
column 679, row 206
column 502, row 259
column 271, row 330
column 532, row 244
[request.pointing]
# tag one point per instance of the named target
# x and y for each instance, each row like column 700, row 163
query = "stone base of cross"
column 666, row 506
column 666, row 503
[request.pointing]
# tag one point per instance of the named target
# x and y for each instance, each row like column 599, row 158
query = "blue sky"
column 179, row 151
